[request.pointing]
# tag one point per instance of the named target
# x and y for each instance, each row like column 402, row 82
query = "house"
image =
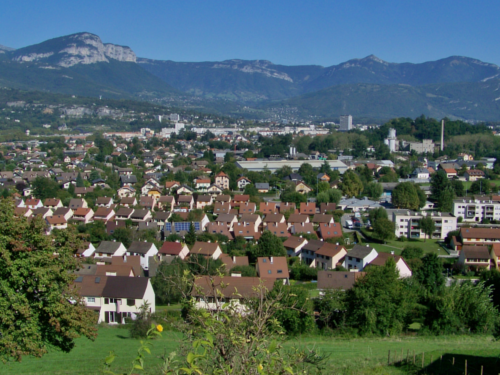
column 172, row 185
column 293, row 177
column 359, row 257
column 477, row 208
column 209, row 293
column 308, row 253
column 327, row 207
column 108, row 249
column 43, row 212
column 323, row 177
column 104, row 202
column 475, row 257
column 298, row 219
column 81, row 191
column 302, row 188
column 201, row 184
column 124, row 260
column 144, row 250
column 115, row 297
column 275, row 268
column 274, row 218
column 52, row 203
column 66, row 212
column 128, row 201
column 251, row 220
column 147, row 202
column 267, row 208
column 303, row 228
column 234, row 261
column 474, row 174
column 329, row 256
column 85, row 215
column 338, row 280
column 154, row 193
column 185, row 201
column 170, row 250
column 222, row 181
column 495, row 254
column 242, row 182
column 128, row 180
column 240, row 199
column 477, row 237
column 185, row 190
column 204, row 200
column 77, row 203
column 114, row 270
column 33, row 204
column 86, row 250
column 223, row 199
column 149, row 184
column 124, row 213
column 450, row 172
column 141, row 216
column 220, row 228
column 23, row 211
column 294, row 245
column 104, row 214
column 330, row 230
column 214, row 190
column 222, row 208
column 207, row 249
column 56, row 222
column 166, row 202
column 421, row 173
column 247, row 208
column 126, row 192
column 403, row 268
column 323, row 219
column 307, row 208
column 246, row 231
column 262, row 187
column 227, row 219
column 278, row 229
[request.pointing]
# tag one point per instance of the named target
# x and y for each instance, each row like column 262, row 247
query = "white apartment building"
column 475, row 210
column 407, row 223
column 345, row 123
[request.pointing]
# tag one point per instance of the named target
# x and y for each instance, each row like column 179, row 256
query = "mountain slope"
column 468, row 101
column 239, row 80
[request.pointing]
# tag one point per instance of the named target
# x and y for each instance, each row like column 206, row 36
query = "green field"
column 429, row 246
column 345, row 356
column 467, row 184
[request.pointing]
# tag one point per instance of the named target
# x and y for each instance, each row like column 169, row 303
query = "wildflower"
column 159, row 328
column 261, row 367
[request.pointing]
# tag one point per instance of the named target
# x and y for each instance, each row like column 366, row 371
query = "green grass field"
column 345, row 356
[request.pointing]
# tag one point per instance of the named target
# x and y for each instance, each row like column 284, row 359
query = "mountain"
column 81, row 64
column 463, row 100
column 239, row 80
column 4, row 48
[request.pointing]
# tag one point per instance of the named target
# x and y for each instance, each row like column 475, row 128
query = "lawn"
column 429, row 246
column 345, row 356
column 467, row 184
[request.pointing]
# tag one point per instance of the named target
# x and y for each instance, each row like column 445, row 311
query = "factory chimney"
column 442, row 135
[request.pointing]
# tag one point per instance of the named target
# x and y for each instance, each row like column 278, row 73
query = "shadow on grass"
column 450, row 364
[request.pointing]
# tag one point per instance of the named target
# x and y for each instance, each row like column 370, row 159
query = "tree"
column 374, row 190
column 44, row 187
column 405, row 196
column 439, row 183
column 459, row 188
column 40, row 306
column 190, row 236
column 377, row 213
column 384, row 229
column 351, row 184
column 428, row 226
column 269, row 245
column 412, row 252
column 430, row 275
column 445, row 200
column 123, row 235
column 251, row 190
column 79, row 181
column 246, row 271
column 422, row 197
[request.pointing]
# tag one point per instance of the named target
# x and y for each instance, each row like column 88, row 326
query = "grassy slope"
column 354, row 356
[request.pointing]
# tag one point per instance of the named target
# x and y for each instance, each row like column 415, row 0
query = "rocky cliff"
column 81, row 48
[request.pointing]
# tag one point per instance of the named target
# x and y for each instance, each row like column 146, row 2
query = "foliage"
column 427, row 225
column 377, row 213
column 412, row 252
column 44, row 187
column 190, row 236
column 384, row 229
column 141, row 325
column 246, row 271
column 405, row 196
column 302, row 272
column 351, row 184
column 269, row 245
column 442, row 191
column 374, row 190
column 430, row 275
column 39, row 307
column 123, row 235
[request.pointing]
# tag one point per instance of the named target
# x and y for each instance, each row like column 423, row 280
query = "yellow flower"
column 261, row 367
column 159, row 328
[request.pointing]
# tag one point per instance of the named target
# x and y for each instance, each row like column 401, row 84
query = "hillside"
column 466, row 101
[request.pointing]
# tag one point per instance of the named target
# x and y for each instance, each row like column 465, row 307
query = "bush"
column 142, row 324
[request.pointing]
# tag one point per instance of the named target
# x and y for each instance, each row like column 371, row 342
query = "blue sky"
column 284, row 32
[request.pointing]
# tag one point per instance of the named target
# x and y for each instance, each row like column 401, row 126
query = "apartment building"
column 407, row 223
column 477, row 209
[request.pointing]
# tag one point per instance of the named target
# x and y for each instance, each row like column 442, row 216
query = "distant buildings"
column 392, row 140
column 345, row 123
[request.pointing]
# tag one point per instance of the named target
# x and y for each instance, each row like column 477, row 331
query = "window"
column 280, row 271
column 269, row 272
column 90, row 299
column 130, row 302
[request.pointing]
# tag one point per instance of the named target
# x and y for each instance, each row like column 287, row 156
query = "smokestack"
column 442, row 135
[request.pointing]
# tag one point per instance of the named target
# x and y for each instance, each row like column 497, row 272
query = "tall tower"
column 345, row 123
column 442, row 135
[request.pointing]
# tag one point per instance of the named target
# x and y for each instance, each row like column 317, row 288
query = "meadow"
column 344, row 356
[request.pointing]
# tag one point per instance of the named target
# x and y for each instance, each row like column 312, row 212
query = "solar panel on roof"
column 79, row 279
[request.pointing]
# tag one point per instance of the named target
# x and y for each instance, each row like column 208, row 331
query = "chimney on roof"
column 271, row 260
column 392, row 252
column 234, row 259
column 367, row 245
column 125, row 258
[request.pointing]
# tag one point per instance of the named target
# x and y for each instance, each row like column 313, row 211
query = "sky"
column 285, row 32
